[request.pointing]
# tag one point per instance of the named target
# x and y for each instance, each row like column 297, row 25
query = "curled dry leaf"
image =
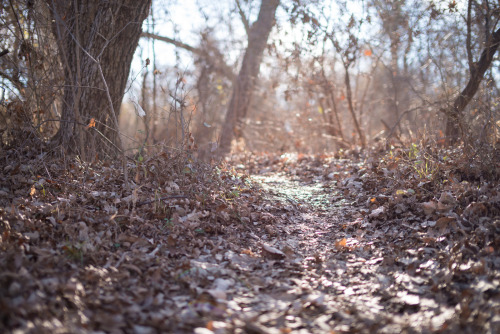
column 446, row 202
column 445, row 222
column 192, row 219
column 475, row 210
column 378, row 212
column 272, row 251
column 429, row 207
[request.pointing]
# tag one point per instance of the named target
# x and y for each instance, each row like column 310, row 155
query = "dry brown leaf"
column 272, row 251
column 429, row 207
column 445, row 222
column 341, row 244
column 475, row 210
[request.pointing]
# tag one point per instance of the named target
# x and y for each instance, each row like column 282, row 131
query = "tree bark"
column 92, row 33
column 454, row 115
column 244, row 84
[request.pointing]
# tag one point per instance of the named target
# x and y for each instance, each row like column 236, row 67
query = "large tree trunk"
column 93, row 34
column 245, row 82
column 454, row 115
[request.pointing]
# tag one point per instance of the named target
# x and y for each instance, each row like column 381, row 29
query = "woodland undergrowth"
column 196, row 247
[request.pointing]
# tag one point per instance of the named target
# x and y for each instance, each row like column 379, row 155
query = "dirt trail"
column 332, row 279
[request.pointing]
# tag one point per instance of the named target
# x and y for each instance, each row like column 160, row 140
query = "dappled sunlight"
column 257, row 166
column 362, row 266
column 295, row 192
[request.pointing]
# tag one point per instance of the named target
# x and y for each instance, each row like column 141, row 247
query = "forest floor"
column 403, row 241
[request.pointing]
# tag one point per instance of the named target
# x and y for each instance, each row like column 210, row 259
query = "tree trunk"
column 330, row 101
column 347, row 80
column 92, row 33
column 247, row 77
column 454, row 116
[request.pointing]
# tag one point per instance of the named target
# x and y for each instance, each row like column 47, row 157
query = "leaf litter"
column 276, row 244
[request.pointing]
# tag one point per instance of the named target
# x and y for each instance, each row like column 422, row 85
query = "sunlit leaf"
column 91, row 123
column 341, row 243
column 441, row 138
column 411, row 299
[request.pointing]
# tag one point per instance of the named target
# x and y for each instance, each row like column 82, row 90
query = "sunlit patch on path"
column 339, row 285
column 344, row 271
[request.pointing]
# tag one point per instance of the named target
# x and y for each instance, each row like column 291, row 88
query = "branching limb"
column 244, row 19
column 172, row 41
column 468, row 40
column 216, row 60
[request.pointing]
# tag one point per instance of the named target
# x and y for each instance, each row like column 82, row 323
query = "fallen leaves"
column 323, row 244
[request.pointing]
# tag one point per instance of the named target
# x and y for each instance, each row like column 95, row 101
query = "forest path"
column 335, row 277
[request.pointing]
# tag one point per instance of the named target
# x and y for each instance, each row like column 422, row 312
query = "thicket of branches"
column 332, row 74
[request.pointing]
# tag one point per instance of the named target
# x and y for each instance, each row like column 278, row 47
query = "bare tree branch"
column 172, row 41
column 244, row 19
column 216, row 60
column 468, row 41
column 14, row 80
column 480, row 68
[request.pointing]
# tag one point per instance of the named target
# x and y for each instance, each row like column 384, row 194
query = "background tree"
column 488, row 16
column 245, row 83
column 397, row 26
column 30, row 74
column 410, row 63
